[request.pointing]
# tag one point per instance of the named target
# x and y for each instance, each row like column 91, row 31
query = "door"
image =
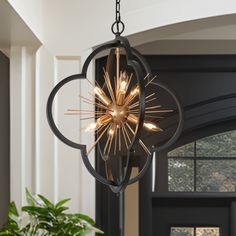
column 191, row 217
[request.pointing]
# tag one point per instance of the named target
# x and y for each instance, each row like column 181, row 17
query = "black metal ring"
column 178, row 131
column 118, row 31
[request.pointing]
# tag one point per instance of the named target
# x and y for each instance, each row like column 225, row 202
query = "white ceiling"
column 13, row 30
column 69, row 27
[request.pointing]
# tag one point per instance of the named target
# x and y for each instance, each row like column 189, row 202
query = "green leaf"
column 96, row 230
column 46, row 201
column 12, row 210
column 36, row 211
column 30, row 199
column 85, row 218
column 61, row 210
column 6, row 232
column 62, row 202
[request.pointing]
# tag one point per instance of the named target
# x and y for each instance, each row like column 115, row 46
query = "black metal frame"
column 138, row 63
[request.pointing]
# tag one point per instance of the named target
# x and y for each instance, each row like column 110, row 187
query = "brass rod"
column 130, row 78
column 159, row 117
column 118, row 66
column 137, row 104
column 148, row 108
column 124, row 136
column 119, row 140
column 88, row 111
column 84, row 113
column 147, row 75
column 111, row 141
column 88, row 118
column 115, row 140
column 149, row 82
column 96, row 97
column 153, row 107
column 107, row 142
column 108, row 84
column 92, row 102
column 150, row 112
column 140, row 141
column 97, row 104
column 98, row 139
column 126, row 132
column 132, row 104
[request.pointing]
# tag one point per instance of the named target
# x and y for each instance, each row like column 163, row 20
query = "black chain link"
column 118, row 26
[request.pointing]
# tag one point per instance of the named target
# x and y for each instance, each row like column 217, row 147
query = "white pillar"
column 22, row 103
column 45, row 140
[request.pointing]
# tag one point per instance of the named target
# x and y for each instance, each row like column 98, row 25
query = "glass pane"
column 219, row 145
column 182, row 231
column 208, row 231
column 180, row 175
column 216, row 175
column 183, row 151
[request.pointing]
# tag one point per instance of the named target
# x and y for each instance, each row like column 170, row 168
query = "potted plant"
column 43, row 218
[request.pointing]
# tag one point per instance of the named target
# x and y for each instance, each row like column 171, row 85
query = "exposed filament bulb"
column 103, row 120
column 132, row 95
column 123, row 86
column 112, row 130
column 151, row 126
column 91, row 127
column 146, row 124
column 135, row 91
column 102, row 96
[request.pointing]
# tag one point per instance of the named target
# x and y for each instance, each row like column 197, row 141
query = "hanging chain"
column 118, row 26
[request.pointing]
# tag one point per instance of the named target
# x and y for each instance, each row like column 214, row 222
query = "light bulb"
column 91, row 127
column 151, row 126
column 97, row 90
column 101, row 95
column 135, row 91
column 147, row 124
column 123, row 85
column 111, row 132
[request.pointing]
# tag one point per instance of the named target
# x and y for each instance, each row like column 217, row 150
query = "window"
column 195, row 231
column 205, row 165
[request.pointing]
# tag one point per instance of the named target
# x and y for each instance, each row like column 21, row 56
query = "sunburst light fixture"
column 122, row 110
column 116, row 110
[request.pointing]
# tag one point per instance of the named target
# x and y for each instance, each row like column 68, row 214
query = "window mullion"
column 195, row 167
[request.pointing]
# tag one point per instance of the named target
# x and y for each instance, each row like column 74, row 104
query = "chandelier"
column 122, row 111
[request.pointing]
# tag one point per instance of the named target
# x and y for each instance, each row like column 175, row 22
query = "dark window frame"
column 161, row 184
